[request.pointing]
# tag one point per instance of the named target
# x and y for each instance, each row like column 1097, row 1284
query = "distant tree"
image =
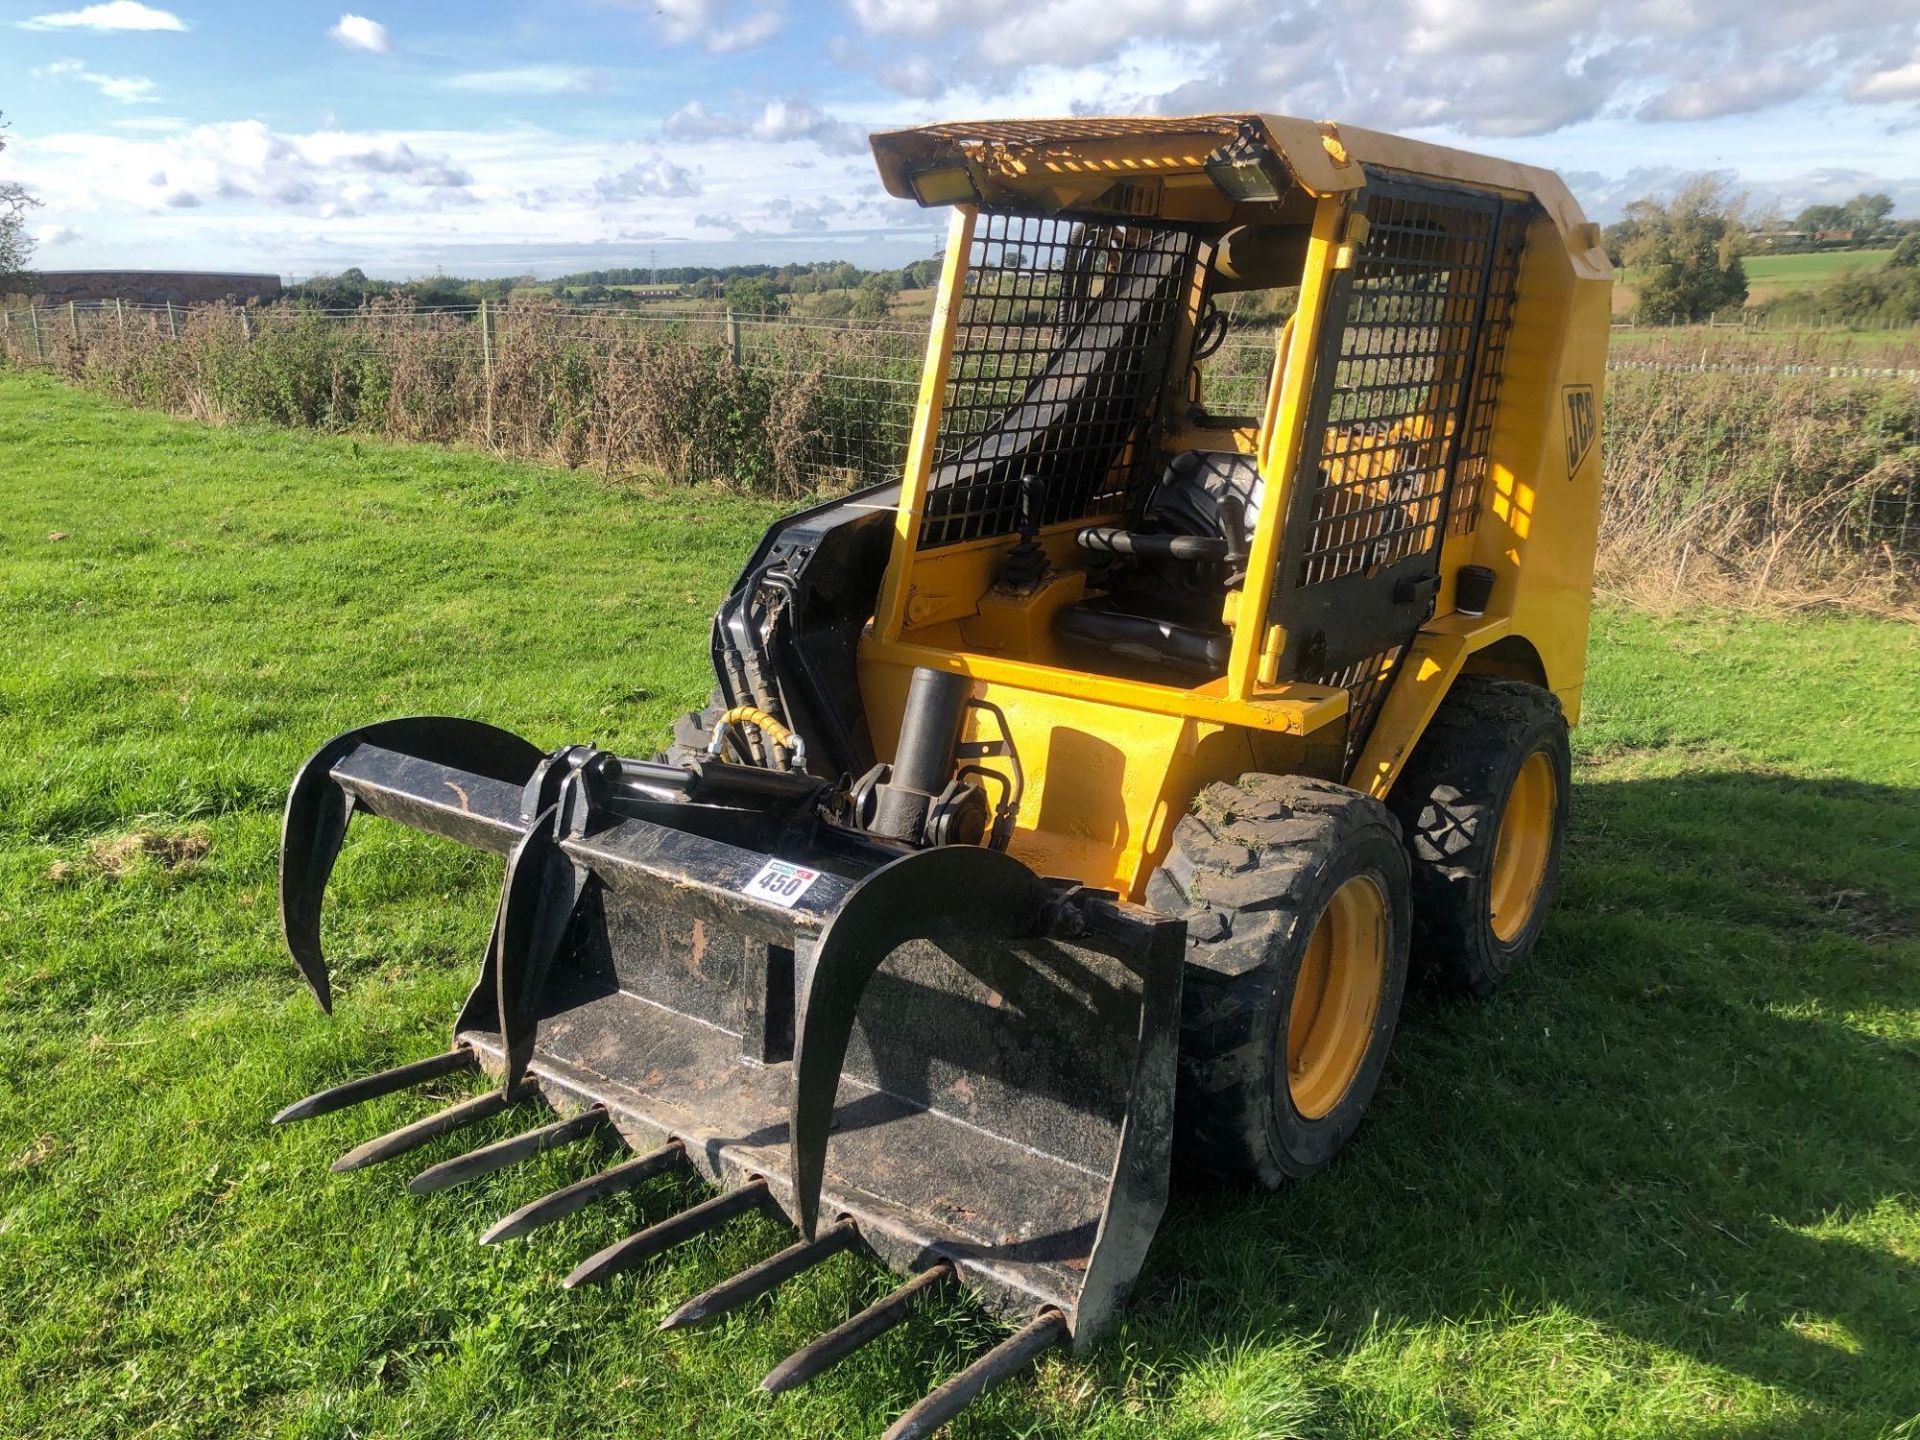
column 1816, row 218
column 16, row 246
column 1906, row 255
column 438, row 292
column 1688, row 252
column 755, row 296
column 1617, row 237
column 1867, row 213
column 920, row 275
column 873, row 300
column 348, row 290
column 834, row 305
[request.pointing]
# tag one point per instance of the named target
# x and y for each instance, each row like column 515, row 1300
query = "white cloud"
column 154, row 124
column 528, row 80
column 57, row 235
column 752, row 31
column 1734, row 92
column 357, row 32
column 916, row 77
column 1465, row 67
column 719, row 26
column 654, row 176
column 499, row 200
column 127, row 89
column 115, row 15
column 786, row 120
column 1893, row 82
column 776, row 122
column 694, row 121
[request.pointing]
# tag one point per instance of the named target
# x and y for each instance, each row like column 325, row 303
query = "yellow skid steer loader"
column 1081, row 798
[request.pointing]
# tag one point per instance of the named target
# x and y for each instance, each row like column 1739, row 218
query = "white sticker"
column 779, row 883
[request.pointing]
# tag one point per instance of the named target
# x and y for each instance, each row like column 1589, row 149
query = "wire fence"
column 796, row 404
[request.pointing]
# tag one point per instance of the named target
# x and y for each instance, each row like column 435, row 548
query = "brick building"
column 151, row 287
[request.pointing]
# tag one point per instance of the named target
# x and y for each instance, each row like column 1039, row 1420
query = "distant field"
column 1771, row 275
column 1803, row 272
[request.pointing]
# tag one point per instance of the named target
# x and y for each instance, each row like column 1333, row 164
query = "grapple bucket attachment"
column 934, row 1054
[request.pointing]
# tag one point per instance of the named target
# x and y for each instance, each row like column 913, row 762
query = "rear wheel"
column 1295, row 896
column 1483, row 803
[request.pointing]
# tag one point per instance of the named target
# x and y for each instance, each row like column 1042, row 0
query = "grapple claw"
column 319, row 810
column 537, row 902
column 887, row 911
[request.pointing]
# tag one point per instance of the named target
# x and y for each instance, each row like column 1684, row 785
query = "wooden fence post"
column 733, row 336
column 486, row 361
column 33, row 318
column 246, row 326
column 73, row 320
column 120, row 314
column 173, row 325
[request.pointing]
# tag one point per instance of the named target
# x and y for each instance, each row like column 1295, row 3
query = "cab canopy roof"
column 1199, row 168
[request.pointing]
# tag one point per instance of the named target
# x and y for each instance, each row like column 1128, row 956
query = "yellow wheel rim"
column 1523, row 846
column 1336, row 997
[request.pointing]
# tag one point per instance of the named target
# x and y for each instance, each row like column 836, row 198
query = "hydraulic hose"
column 776, row 732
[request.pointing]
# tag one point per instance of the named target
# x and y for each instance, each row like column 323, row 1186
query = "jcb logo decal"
column 1582, row 423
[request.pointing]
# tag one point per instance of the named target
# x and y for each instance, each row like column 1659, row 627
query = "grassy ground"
column 1662, row 1186
column 1774, row 273
column 1767, row 345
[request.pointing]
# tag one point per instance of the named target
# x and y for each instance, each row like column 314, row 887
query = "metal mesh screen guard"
column 1412, row 325
column 1407, row 423
column 1060, row 349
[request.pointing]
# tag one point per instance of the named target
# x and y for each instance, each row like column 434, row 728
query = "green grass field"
column 1769, row 276
column 1663, row 1185
column 1776, row 273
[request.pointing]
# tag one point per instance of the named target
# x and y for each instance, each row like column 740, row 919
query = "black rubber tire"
column 693, row 732
column 1251, row 868
column 1450, row 800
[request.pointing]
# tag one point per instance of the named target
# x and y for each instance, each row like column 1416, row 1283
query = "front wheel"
column 1295, row 896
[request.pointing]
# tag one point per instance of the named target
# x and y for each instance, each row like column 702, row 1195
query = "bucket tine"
column 412, row 1137
column 848, row 1336
column 757, row 1280
column 575, row 1197
column 644, row 1245
column 511, row 1151
column 1009, row 1357
column 367, row 1087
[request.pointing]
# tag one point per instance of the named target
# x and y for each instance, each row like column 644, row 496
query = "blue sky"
column 491, row 137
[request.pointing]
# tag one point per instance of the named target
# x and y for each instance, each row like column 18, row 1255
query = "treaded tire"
column 1450, row 801
column 1252, row 868
column 693, row 732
